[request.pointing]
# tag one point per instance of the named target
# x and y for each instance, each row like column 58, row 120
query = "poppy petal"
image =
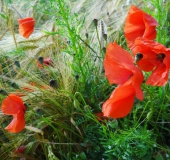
column 20, row 149
column 17, row 124
column 159, row 76
column 119, row 68
column 20, row 21
column 26, row 29
column 25, row 32
column 139, row 24
column 120, row 102
column 137, row 80
column 114, row 73
column 26, row 26
column 12, row 104
column 117, row 63
column 145, row 65
column 166, row 60
column 118, row 54
column 39, row 65
column 48, row 61
column 147, row 45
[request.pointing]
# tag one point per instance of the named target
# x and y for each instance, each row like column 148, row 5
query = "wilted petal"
column 20, row 149
column 48, row 61
column 18, row 123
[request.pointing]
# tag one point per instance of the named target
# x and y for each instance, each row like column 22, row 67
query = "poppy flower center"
column 41, row 60
column 138, row 57
column 160, row 57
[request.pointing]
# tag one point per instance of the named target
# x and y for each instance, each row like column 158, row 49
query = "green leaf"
column 3, row 16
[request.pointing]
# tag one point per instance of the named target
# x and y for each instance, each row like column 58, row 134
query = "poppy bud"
column 95, row 59
column 113, row 123
column 87, row 108
column 53, row 83
column 68, row 42
column 104, row 49
column 105, row 36
column 41, row 60
column 3, row 92
column 39, row 111
column 95, row 21
column 14, row 85
column 87, row 35
column 26, row 105
column 77, row 77
column 17, row 64
column 160, row 57
column 138, row 57
column 76, row 103
column 149, row 115
column 20, row 149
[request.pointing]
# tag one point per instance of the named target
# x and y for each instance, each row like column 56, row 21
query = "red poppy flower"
column 26, row 26
column 20, row 149
column 46, row 62
column 119, row 69
column 13, row 105
column 139, row 24
column 155, row 57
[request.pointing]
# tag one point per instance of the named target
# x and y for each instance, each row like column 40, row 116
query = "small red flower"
column 46, row 62
column 119, row 69
column 155, row 58
column 139, row 24
column 26, row 26
column 13, row 105
column 20, row 149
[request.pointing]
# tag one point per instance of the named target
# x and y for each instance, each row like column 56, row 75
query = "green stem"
column 150, row 113
column 72, row 36
column 98, row 39
column 68, row 26
column 11, row 28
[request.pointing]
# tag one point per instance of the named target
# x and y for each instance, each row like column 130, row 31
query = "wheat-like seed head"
column 112, row 12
